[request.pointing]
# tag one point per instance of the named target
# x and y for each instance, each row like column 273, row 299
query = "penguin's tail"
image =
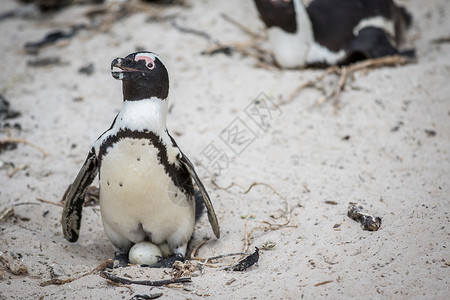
column 199, row 205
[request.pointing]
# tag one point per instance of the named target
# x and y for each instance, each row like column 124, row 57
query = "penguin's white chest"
column 138, row 200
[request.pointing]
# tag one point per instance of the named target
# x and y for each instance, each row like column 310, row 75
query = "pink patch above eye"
column 148, row 61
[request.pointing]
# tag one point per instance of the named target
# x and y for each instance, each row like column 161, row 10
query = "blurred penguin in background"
column 333, row 32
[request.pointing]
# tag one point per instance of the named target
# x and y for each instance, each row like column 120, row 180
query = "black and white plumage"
column 146, row 188
column 333, row 32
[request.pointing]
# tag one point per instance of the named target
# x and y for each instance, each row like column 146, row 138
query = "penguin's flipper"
column 199, row 205
column 74, row 198
column 371, row 42
column 209, row 207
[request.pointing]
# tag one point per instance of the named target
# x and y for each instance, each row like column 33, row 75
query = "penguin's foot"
column 166, row 262
column 120, row 260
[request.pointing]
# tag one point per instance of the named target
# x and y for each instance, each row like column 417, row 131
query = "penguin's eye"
column 150, row 65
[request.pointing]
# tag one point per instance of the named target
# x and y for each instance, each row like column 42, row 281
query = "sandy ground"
column 386, row 148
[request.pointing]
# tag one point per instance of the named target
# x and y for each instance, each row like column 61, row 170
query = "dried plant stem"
column 121, row 280
column 49, row 202
column 23, row 141
column 242, row 27
column 269, row 226
column 344, row 73
column 57, row 281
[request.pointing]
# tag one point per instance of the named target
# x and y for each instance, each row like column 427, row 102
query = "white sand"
column 401, row 176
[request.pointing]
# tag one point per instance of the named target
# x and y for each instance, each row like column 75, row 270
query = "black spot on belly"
column 179, row 174
column 138, row 159
column 107, row 182
column 120, row 184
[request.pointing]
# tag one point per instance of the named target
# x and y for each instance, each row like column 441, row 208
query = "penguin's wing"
column 74, row 198
column 209, row 207
column 371, row 42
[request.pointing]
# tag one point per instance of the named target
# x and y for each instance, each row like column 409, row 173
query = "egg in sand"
column 144, row 253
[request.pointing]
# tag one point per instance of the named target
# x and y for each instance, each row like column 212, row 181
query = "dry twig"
column 252, row 48
column 225, row 188
column 247, row 49
column 23, row 141
column 323, row 282
column 264, row 184
column 17, row 169
column 346, row 72
column 248, row 235
column 441, row 40
column 49, row 202
column 242, row 27
column 6, row 213
column 205, row 260
column 269, row 226
column 309, row 83
column 122, row 280
column 263, row 57
column 195, row 250
column 57, row 281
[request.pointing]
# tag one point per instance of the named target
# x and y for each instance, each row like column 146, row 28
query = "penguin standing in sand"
column 146, row 188
column 333, row 32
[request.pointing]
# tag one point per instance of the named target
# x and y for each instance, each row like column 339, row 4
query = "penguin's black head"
column 143, row 75
column 278, row 13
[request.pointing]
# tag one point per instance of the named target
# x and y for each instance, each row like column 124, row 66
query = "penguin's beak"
column 124, row 70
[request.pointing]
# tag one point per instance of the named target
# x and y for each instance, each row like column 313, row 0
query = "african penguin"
column 330, row 32
column 146, row 188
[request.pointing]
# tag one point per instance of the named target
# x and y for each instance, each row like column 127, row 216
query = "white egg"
column 165, row 250
column 144, row 253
